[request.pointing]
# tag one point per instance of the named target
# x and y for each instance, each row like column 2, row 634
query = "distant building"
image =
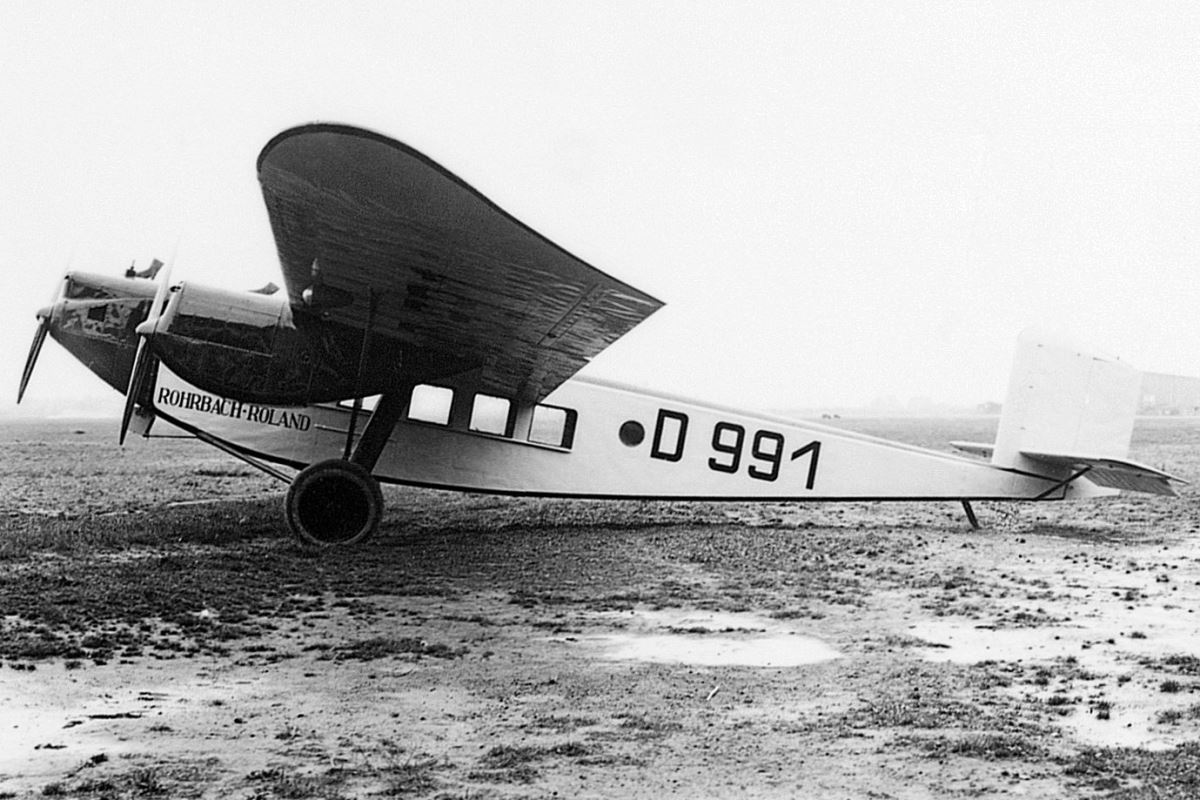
column 1169, row 395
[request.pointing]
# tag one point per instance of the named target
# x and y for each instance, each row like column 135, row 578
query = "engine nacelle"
column 245, row 346
column 95, row 318
column 249, row 347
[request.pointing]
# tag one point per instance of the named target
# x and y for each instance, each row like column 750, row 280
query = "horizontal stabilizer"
column 1112, row 473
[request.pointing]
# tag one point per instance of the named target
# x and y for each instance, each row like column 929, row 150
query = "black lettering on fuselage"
column 670, row 435
column 224, row 407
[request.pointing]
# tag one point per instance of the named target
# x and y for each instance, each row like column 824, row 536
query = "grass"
column 987, row 746
column 921, row 712
column 515, row 763
column 1173, row 716
column 80, row 586
column 387, row 647
column 1136, row 774
column 96, row 567
column 561, row 723
column 411, row 777
column 179, row 778
column 648, row 724
column 287, row 784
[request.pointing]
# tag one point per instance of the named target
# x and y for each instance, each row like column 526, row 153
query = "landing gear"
column 337, row 502
column 334, row 503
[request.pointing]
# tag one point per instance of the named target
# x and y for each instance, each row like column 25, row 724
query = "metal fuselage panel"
column 625, row 444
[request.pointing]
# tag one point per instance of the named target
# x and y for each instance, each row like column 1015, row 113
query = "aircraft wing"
column 1113, row 473
column 375, row 234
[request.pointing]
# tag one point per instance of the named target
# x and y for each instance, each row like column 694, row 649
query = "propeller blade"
column 144, row 358
column 141, row 367
column 160, row 293
column 39, row 339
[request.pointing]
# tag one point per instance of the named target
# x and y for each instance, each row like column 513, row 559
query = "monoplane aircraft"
column 426, row 337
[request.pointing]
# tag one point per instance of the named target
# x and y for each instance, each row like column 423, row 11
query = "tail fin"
column 1062, row 398
column 1069, row 415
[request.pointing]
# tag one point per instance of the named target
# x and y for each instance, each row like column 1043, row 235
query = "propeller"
column 39, row 338
column 144, row 359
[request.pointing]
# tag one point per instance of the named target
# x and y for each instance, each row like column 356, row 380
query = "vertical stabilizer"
column 1064, row 398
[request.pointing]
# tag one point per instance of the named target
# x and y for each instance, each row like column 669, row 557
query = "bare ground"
column 159, row 639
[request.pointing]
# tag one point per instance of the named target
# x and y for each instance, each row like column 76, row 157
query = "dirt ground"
column 161, row 637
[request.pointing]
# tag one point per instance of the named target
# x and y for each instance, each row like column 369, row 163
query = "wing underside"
column 372, row 234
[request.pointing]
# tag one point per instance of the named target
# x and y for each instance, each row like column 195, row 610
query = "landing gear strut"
column 338, row 502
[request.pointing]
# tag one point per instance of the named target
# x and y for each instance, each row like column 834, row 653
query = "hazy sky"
column 837, row 201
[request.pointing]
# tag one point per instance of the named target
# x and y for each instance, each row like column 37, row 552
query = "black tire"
column 333, row 503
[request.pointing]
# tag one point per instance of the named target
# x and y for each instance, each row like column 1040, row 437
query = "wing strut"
column 364, row 349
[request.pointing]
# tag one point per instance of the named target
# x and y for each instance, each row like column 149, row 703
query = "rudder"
column 1064, row 398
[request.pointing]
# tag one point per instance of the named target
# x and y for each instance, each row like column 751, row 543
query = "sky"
column 839, row 202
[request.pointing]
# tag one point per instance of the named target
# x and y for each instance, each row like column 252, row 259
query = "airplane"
column 426, row 337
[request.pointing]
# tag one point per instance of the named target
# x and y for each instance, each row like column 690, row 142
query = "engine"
column 95, row 318
column 250, row 347
column 246, row 346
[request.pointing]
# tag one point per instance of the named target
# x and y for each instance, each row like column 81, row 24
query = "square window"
column 430, row 404
column 553, row 426
column 490, row 415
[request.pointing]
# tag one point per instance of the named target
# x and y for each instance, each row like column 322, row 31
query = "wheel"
column 333, row 503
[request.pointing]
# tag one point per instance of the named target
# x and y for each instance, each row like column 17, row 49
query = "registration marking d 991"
column 765, row 456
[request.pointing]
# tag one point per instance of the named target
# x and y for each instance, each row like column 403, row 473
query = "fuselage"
column 237, row 369
column 595, row 439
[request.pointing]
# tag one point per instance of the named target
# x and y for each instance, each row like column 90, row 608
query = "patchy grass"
column 413, row 777
column 386, row 647
column 179, row 778
column 515, row 763
column 1173, row 716
column 123, row 576
column 648, row 724
column 561, row 723
column 287, row 784
column 507, row 756
column 1137, row 774
column 1179, row 663
column 988, row 746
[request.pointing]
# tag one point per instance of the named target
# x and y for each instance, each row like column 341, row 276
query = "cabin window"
column 553, row 426
column 431, row 404
column 490, row 415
